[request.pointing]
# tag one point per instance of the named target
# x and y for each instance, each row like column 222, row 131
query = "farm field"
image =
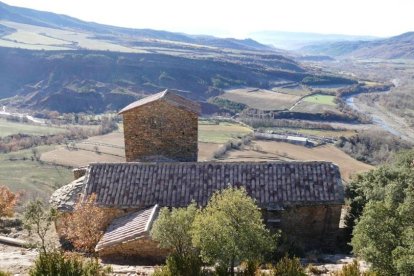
column 37, row 38
column 261, row 99
column 38, row 179
column 314, row 108
column 221, row 133
column 103, row 148
column 320, row 99
column 297, row 91
column 110, row 147
column 273, row 151
column 9, row 128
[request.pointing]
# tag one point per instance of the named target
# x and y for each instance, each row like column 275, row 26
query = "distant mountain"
column 49, row 22
column 397, row 47
column 296, row 40
column 89, row 67
column 98, row 81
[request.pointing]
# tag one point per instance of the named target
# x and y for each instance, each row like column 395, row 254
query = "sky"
column 231, row 18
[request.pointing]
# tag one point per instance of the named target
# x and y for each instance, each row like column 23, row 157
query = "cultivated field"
column 297, row 91
column 9, row 128
column 22, row 173
column 221, row 133
column 273, row 151
column 320, row 99
column 37, row 38
column 103, row 148
column 311, row 107
column 110, row 147
column 262, row 99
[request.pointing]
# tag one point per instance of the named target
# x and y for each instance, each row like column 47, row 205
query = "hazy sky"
column 239, row 18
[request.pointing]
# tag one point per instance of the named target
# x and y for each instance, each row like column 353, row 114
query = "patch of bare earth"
column 261, row 98
column 206, row 151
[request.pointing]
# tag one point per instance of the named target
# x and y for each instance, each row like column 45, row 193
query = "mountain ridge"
column 64, row 22
column 396, row 47
column 94, row 68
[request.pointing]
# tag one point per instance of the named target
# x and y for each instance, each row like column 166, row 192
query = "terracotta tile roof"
column 139, row 185
column 168, row 96
column 129, row 227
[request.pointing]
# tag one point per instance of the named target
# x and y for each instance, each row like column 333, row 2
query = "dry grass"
column 9, row 128
column 221, row 133
column 103, row 148
column 206, row 151
column 78, row 158
column 36, row 38
column 262, row 99
column 110, row 147
column 271, row 150
column 309, row 107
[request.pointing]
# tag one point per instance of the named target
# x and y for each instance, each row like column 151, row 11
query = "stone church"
column 161, row 170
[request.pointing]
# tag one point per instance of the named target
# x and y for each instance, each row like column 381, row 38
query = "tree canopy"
column 382, row 209
column 230, row 229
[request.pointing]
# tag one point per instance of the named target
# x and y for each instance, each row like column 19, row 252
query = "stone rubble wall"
column 160, row 129
column 143, row 250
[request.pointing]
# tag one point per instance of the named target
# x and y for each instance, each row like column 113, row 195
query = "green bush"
column 2, row 273
column 382, row 207
column 178, row 265
column 57, row 263
column 288, row 267
column 251, row 268
column 352, row 269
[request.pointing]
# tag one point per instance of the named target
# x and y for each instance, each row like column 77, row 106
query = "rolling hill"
column 297, row 40
column 56, row 62
column 397, row 47
column 26, row 23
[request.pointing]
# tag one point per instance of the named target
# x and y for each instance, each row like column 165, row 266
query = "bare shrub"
column 85, row 225
column 8, row 201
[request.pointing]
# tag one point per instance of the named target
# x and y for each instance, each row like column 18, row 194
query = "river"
column 21, row 115
column 350, row 101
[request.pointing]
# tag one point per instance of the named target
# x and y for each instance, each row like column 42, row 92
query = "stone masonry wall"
column 314, row 227
column 160, row 129
column 140, row 251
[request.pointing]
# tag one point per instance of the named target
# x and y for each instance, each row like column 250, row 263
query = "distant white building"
column 298, row 140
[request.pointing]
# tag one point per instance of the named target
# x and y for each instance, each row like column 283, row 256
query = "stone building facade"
column 304, row 199
column 162, row 127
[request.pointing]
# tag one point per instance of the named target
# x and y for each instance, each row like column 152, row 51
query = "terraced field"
column 273, row 151
column 221, row 133
column 320, row 99
column 110, row 147
column 261, row 99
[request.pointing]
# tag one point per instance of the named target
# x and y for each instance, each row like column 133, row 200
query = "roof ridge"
column 188, row 104
column 214, row 162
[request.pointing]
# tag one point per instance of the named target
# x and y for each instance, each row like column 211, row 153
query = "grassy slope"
column 220, row 134
column 9, row 128
column 31, row 176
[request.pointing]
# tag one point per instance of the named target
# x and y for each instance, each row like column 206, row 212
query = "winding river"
column 375, row 119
